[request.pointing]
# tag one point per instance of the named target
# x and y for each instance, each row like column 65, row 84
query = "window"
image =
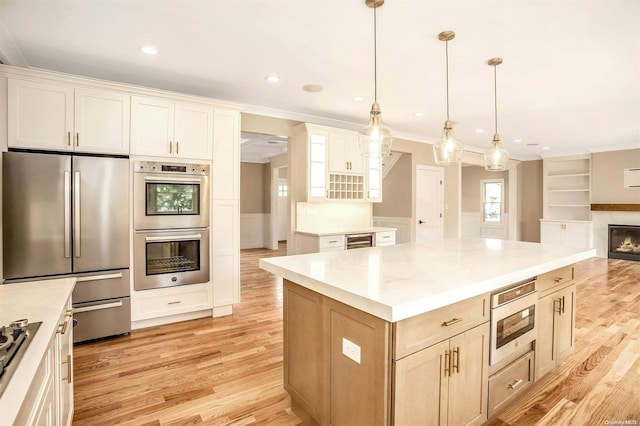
column 492, row 192
column 282, row 190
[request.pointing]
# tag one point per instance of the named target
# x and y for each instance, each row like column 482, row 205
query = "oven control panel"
column 157, row 167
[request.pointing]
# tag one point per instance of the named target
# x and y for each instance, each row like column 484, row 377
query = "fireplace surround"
column 624, row 242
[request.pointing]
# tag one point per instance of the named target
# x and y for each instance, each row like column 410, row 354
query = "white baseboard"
column 222, row 311
column 402, row 224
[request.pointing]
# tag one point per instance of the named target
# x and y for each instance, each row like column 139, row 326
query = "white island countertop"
column 402, row 281
column 345, row 230
column 36, row 301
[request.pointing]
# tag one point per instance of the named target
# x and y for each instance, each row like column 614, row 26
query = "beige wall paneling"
column 530, row 200
column 252, row 188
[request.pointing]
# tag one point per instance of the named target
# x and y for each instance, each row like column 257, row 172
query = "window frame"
column 483, row 201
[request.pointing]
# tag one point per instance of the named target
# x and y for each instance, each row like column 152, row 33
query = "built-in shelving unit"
column 567, row 201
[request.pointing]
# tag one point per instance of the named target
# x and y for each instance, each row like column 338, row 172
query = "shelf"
column 568, row 175
column 569, row 190
column 570, row 205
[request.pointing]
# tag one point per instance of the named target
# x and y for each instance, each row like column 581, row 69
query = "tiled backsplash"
column 326, row 216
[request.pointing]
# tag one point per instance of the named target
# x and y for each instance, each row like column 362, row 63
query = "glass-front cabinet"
column 334, row 168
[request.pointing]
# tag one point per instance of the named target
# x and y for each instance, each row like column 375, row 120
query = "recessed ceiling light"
column 418, row 114
column 546, row 148
column 149, row 50
column 358, row 98
column 479, row 130
column 313, row 88
column 272, row 78
column 517, row 140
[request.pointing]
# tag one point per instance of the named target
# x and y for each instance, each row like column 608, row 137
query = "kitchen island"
column 41, row 387
column 360, row 326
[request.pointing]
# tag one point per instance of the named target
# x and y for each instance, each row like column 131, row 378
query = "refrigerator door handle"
column 76, row 214
column 67, row 214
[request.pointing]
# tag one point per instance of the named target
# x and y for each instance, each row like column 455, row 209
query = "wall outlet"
column 351, row 350
column 311, row 212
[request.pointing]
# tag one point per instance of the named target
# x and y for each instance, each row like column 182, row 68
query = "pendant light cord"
column 495, row 95
column 375, row 54
column 447, row 67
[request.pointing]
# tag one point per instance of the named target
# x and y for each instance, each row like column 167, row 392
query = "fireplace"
column 624, row 242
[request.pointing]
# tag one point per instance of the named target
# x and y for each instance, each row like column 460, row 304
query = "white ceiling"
column 570, row 78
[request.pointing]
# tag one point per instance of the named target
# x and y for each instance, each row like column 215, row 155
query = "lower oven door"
column 92, row 320
column 170, row 258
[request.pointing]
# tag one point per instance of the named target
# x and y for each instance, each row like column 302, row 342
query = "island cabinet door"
column 420, row 387
column 469, row 377
column 565, row 323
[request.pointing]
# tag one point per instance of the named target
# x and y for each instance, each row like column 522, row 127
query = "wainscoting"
column 403, row 225
column 255, row 230
column 471, row 226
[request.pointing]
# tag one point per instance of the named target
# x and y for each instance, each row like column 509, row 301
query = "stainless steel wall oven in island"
column 68, row 214
column 171, row 220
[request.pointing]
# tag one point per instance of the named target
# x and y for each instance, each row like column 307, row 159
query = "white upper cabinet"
column 163, row 128
column 59, row 117
column 344, row 154
column 225, row 173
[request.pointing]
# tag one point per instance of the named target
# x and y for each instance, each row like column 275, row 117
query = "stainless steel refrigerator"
column 69, row 215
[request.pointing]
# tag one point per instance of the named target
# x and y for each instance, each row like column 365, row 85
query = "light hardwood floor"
column 229, row 370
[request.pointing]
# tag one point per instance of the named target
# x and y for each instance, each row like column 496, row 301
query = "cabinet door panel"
column 337, row 159
column 551, row 233
column 194, row 131
column 48, row 105
column 420, row 387
column 578, row 235
column 564, row 324
column 469, row 376
column 152, row 126
column 352, row 154
column 102, row 121
column 545, row 350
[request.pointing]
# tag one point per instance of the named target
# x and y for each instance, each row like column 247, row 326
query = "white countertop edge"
column 343, row 231
column 36, row 301
column 420, row 306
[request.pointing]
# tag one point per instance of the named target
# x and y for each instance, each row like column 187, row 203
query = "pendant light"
column 375, row 139
column 448, row 149
column 496, row 158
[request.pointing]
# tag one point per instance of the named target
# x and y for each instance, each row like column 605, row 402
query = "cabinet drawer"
column 509, row 382
column 416, row 333
column 385, row 238
column 172, row 301
column 554, row 280
column 331, row 242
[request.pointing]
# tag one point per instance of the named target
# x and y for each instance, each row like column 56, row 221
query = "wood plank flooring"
column 228, row 371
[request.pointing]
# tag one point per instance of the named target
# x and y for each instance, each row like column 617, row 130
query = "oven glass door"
column 172, row 198
column 165, row 257
column 515, row 325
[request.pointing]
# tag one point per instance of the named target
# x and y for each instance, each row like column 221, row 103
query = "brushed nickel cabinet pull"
column 456, row 364
column 170, row 147
column 69, row 369
column 557, row 309
column 62, row 328
column 177, row 147
column 69, row 138
column 77, row 139
column 451, row 322
column 563, row 304
column 174, row 302
column 557, row 280
column 516, row 383
column 447, row 363
column 333, row 241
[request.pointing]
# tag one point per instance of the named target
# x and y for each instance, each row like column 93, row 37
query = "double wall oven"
column 171, row 221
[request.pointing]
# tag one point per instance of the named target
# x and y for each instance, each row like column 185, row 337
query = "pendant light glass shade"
column 447, row 150
column 496, row 158
column 375, row 138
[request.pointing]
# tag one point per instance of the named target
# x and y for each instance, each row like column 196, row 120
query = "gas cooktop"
column 14, row 339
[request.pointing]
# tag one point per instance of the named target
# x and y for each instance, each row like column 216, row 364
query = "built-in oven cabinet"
column 164, row 302
column 69, row 118
column 164, row 128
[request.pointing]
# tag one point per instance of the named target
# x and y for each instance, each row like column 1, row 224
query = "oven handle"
column 174, row 237
column 171, row 179
column 97, row 307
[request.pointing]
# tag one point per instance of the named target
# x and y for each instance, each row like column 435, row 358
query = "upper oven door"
column 167, row 201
